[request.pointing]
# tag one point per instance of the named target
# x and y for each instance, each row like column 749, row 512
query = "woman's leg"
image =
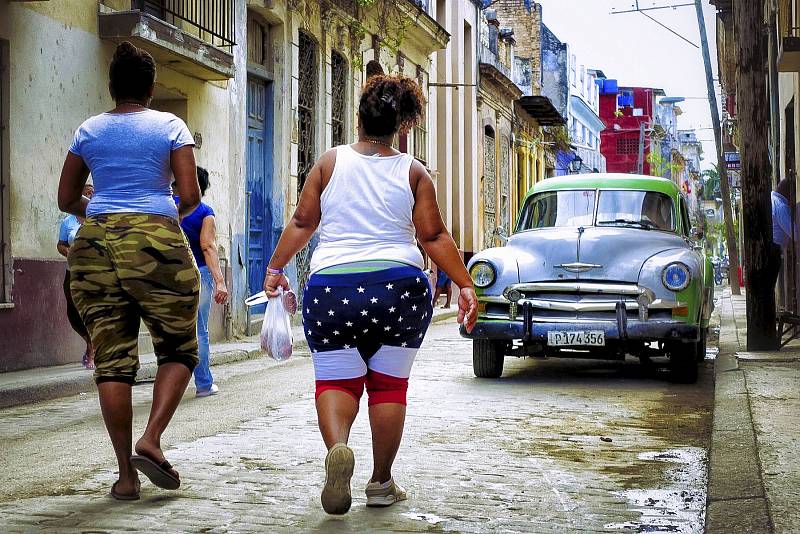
column 386, row 422
column 76, row 322
column 202, row 373
column 115, row 403
column 171, row 381
column 336, row 412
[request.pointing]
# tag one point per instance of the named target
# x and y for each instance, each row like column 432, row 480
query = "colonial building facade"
column 55, row 58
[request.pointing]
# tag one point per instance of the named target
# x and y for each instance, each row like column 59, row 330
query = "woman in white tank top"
column 367, row 305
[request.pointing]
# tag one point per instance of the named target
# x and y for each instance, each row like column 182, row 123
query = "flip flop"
column 123, row 496
column 158, row 473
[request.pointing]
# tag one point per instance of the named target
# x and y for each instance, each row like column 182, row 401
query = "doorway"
column 259, row 182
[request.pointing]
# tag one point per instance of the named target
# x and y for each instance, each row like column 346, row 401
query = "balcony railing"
column 213, row 21
column 490, row 57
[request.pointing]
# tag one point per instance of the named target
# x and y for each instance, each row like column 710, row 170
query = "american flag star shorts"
column 356, row 322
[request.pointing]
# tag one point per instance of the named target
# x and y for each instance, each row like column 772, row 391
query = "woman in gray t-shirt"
column 130, row 262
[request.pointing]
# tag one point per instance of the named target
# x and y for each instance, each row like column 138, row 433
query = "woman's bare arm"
column 181, row 161
column 70, row 186
column 208, row 243
column 437, row 242
column 303, row 224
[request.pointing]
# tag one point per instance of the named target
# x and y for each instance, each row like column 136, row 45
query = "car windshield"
column 570, row 208
column 644, row 209
column 558, row 209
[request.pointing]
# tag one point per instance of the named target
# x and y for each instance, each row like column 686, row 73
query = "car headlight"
column 483, row 274
column 676, row 277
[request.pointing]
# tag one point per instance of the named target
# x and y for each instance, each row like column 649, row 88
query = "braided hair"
column 390, row 104
column 132, row 72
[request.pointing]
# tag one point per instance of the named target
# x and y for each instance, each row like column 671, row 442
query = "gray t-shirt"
column 128, row 155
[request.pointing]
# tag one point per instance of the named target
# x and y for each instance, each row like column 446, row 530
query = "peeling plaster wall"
column 555, row 76
column 59, row 71
column 54, row 87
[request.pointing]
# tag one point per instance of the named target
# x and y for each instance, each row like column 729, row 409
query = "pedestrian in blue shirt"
column 66, row 236
column 782, row 227
column 200, row 230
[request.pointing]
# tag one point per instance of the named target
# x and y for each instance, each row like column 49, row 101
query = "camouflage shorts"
column 129, row 267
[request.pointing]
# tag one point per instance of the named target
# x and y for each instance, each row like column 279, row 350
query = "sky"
column 638, row 52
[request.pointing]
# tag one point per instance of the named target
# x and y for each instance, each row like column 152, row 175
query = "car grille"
column 608, row 294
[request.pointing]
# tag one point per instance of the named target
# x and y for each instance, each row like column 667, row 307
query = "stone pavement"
column 754, row 476
column 553, row 446
column 43, row 383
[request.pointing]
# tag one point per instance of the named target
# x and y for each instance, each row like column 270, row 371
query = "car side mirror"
column 696, row 233
column 501, row 234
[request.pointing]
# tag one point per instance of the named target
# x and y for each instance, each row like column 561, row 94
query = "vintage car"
column 599, row 266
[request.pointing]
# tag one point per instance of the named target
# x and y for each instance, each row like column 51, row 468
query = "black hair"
column 374, row 68
column 390, row 104
column 132, row 73
column 202, row 179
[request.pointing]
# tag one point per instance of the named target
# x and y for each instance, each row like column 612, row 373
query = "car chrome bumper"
column 630, row 330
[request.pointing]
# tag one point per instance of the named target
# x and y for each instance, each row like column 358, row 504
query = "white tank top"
column 367, row 211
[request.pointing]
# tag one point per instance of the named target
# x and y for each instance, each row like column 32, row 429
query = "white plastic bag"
column 276, row 330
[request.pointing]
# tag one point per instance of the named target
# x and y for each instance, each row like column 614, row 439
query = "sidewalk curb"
column 77, row 380
column 444, row 316
column 737, row 499
column 73, row 379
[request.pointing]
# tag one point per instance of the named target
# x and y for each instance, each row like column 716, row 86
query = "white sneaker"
column 386, row 494
column 339, row 465
column 213, row 390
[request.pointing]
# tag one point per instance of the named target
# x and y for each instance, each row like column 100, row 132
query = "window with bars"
column 421, row 142
column 306, row 106
column 627, row 146
column 420, row 131
column 338, row 99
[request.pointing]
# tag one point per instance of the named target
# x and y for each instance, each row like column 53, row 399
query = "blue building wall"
column 555, row 75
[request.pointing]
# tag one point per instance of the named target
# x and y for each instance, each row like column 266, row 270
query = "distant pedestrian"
column 130, row 261
column 66, row 236
column 374, row 68
column 201, row 231
column 367, row 305
column 443, row 286
column 782, row 228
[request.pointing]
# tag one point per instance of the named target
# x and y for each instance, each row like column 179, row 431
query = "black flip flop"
column 123, row 496
column 158, row 473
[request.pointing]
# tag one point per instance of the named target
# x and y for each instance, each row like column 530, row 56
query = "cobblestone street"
column 553, row 446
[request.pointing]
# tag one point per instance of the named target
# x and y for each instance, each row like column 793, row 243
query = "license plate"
column 579, row 338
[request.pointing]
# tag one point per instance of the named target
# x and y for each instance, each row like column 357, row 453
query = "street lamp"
column 575, row 165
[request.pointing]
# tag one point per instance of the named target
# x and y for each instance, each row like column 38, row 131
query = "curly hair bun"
column 132, row 72
column 126, row 49
column 390, row 103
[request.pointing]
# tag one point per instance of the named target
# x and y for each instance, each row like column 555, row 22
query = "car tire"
column 487, row 358
column 683, row 365
column 701, row 346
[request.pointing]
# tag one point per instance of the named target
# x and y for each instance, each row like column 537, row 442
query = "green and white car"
column 599, row 266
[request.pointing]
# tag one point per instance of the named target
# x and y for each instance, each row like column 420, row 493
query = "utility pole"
column 640, row 161
column 724, row 185
column 751, row 98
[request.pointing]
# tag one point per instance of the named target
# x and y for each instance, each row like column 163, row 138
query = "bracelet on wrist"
column 272, row 271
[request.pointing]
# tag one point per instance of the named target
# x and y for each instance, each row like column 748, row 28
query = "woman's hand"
column 467, row 308
column 220, row 293
column 273, row 281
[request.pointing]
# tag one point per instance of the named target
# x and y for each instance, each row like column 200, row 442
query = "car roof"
column 607, row 181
